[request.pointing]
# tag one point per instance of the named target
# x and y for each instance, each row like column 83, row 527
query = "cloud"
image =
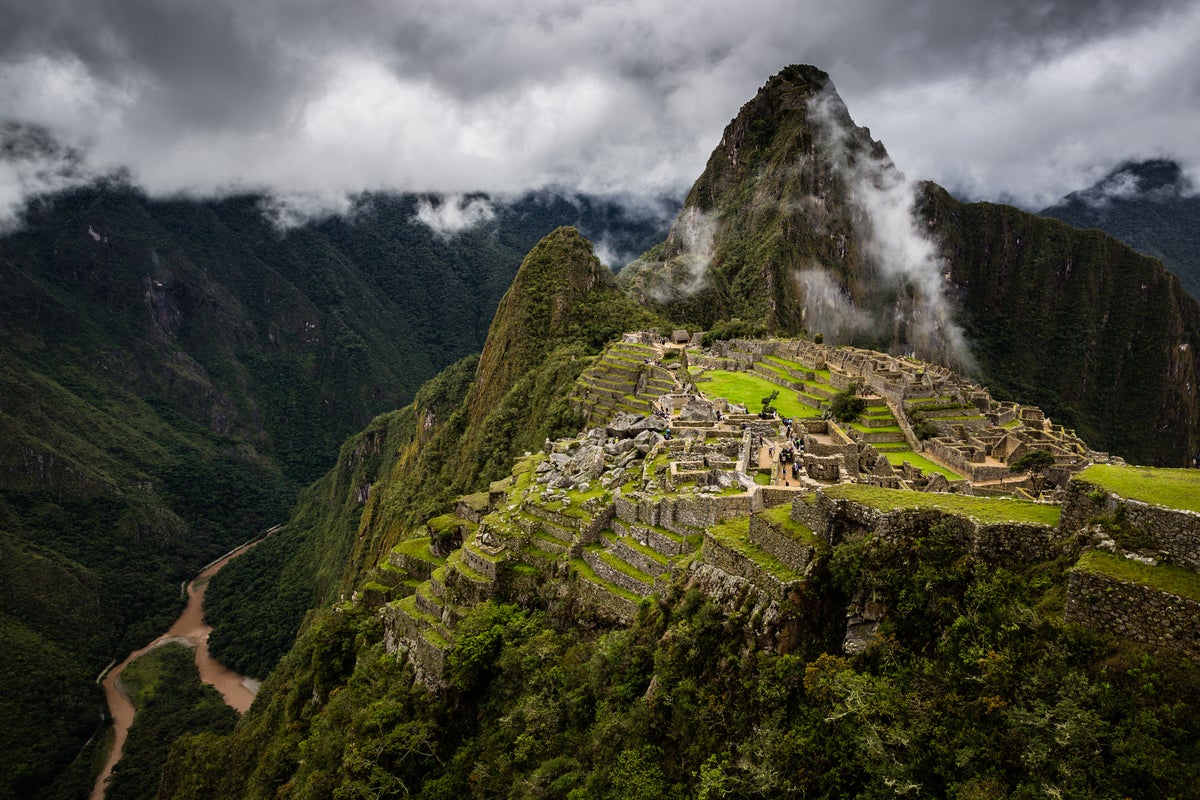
column 308, row 98
column 905, row 262
column 449, row 216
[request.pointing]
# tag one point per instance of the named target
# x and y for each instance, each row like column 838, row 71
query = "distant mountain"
column 172, row 372
column 801, row 221
column 1149, row 205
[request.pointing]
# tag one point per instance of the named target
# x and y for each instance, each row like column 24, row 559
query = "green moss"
column 1164, row 577
column 1171, row 488
column 981, row 509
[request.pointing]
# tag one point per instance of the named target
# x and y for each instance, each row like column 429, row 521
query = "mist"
column 905, row 262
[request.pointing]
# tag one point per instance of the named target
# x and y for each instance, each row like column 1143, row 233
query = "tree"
column 846, row 405
column 768, row 409
column 1035, row 462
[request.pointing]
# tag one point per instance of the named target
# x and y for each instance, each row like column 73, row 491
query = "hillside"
column 581, row 563
column 171, row 373
column 461, row 432
column 801, row 221
column 1149, row 205
column 631, row 613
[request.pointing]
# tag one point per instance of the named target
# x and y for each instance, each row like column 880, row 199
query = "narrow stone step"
column 609, row 566
column 605, row 597
column 636, row 554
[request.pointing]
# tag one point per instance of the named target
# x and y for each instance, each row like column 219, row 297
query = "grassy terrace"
column 634, row 544
column 980, row 509
column 749, row 390
column 1164, row 577
column 1172, row 488
column 588, row 574
column 781, row 518
column 418, row 548
column 735, row 535
column 898, row 457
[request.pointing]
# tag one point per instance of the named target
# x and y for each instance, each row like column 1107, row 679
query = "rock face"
column 800, row 221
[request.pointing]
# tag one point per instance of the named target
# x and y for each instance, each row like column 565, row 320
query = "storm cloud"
column 311, row 100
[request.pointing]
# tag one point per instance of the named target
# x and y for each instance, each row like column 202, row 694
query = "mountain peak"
column 539, row 307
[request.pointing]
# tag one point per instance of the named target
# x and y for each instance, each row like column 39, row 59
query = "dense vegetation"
column 972, row 688
column 462, row 431
column 170, row 700
column 1149, row 205
column 171, row 373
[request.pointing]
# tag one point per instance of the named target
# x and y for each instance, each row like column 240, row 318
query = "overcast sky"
column 1016, row 101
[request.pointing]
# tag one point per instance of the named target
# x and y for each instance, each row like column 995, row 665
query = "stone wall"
column 996, row 543
column 1176, row 534
column 1134, row 611
column 614, row 575
column 956, row 460
column 734, row 563
column 402, row 634
column 810, row 515
column 779, row 543
column 604, row 604
column 636, row 558
column 1014, row 543
column 476, row 561
column 655, row 540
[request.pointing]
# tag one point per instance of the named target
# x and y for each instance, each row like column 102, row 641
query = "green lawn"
column 1164, row 577
column 1173, row 488
column 749, row 390
column 898, row 457
column 982, row 509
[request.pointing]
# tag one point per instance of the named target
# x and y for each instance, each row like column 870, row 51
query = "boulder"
column 619, row 426
column 698, row 410
column 647, row 441
column 650, row 423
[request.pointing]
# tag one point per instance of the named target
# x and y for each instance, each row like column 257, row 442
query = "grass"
column 735, row 535
column 417, row 548
column 1172, row 488
column 980, row 509
column 589, row 574
column 781, row 517
column 898, row 457
column 1164, row 577
column 749, row 390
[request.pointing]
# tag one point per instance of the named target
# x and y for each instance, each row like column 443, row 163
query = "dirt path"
column 189, row 629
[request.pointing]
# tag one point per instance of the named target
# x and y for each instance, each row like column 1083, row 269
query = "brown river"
column 189, row 629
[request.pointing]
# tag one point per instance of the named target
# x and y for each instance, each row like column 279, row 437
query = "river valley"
column 189, row 629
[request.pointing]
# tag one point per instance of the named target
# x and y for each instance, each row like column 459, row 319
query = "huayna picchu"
column 827, row 495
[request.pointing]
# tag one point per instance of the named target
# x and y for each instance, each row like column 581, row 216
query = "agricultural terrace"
column 1170, row 488
column 980, row 509
column 1164, row 577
